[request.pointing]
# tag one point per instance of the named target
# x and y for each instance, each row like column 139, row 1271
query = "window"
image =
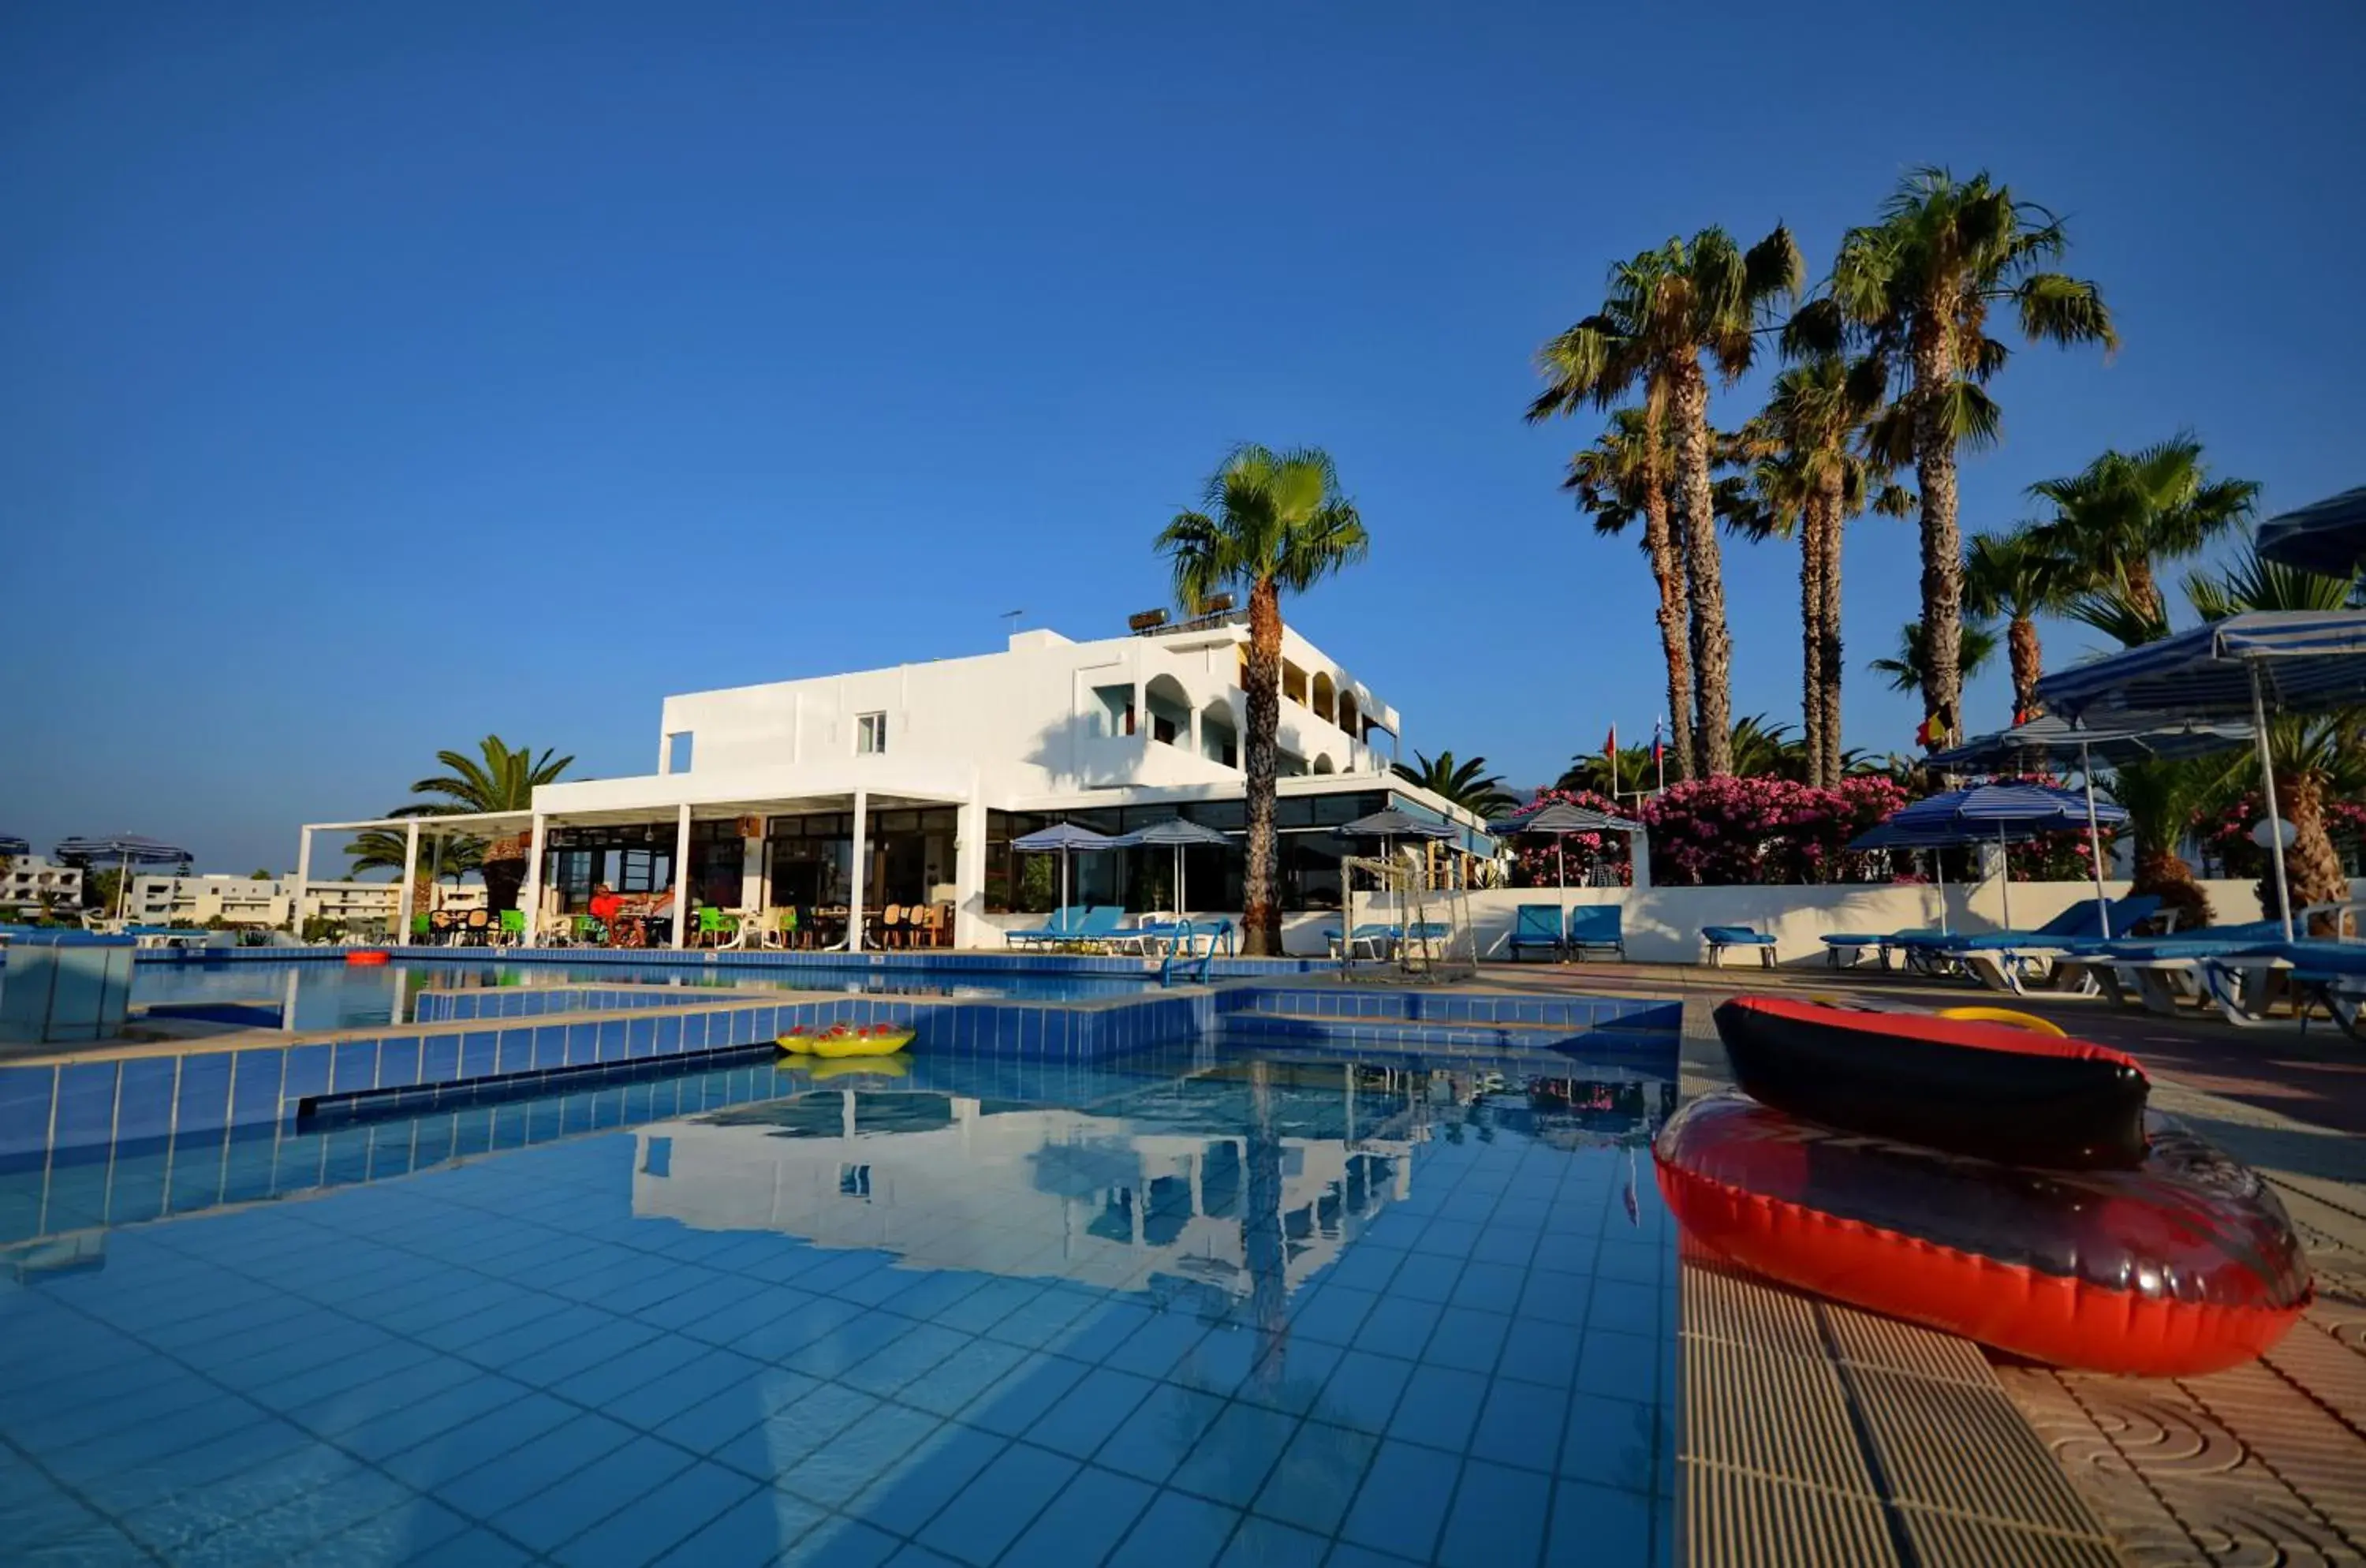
column 870, row 734
column 677, row 750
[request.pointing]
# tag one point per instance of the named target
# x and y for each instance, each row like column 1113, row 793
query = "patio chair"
column 419, row 926
column 1537, row 925
column 713, row 925
column 1597, row 928
column 1103, row 923
column 589, row 931
column 1720, row 937
column 1374, row 940
column 1061, row 927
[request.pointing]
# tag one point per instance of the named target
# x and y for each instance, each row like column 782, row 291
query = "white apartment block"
column 905, row 785
column 31, row 883
column 256, row 901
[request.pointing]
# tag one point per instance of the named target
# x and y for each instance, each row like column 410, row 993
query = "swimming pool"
column 1206, row 1306
column 321, row 995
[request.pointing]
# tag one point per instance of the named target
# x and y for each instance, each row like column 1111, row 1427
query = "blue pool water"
column 1207, row 1307
column 337, row 996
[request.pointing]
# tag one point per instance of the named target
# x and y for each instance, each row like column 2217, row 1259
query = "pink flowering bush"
column 1712, row 831
column 2226, row 833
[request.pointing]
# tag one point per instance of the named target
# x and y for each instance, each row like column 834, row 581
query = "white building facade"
column 844, row 794
column 266, row 902
column 31, row 883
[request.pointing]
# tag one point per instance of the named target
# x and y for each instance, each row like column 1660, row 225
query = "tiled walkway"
column 2264, row 1464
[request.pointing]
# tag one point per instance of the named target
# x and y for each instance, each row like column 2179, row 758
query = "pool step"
column 1253, row 1025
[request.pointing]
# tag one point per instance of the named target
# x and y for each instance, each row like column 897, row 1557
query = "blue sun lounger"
column 1720, row 937
column 1597, row 928
column 1535, row 926
column 1061, row 927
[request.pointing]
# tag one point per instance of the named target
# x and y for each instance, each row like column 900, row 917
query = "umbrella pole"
column 1938, row 869
column 2095, row 843
column 1064, row 883
column 123, row 886
column 2004, row 875
column 2268, row 777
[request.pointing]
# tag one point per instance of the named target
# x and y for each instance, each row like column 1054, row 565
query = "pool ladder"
column 1180, row 945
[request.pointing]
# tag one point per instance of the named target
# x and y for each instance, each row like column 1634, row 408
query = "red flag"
column 1610, row 746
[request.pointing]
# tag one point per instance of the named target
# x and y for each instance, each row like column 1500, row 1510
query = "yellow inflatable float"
column 845, row 1040
column 860, row 1066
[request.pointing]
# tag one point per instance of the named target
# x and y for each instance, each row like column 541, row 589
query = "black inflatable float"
column 1974, row 1087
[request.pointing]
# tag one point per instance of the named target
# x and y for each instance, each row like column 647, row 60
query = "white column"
column 854, row 890
column 680, row 874
column 1195, row 730
column 753, row 868
column 403, row 901
column 970, row 929
column 303, row 876
column 1639, row 851
column 530, row 895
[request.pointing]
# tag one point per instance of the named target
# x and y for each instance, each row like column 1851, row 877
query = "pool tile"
column 593, row 1493
column 1440, row 1408
column 991, row 1512
column 1609, row 1442
column 906, row 1501
column 1089, row 1412
column 872, row 1447
column 1178, row 1532
column 1162, row 1431
column 1402, row 1501
column 1621, row 1366
column 840, row 1543
column 1498, row 1518
column 1599, row 1522
column 1397, row 1328
column 750, row 1533
column 1262, row 1543
column 1316, row 1477
column 143, row 1101
column 1234, row 1460
column 657, row 1520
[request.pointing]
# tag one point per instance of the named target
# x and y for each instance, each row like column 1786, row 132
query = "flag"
column 1610, row 746
column 1656, row 746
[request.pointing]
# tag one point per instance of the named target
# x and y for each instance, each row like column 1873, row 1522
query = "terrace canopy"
column 2296, row 660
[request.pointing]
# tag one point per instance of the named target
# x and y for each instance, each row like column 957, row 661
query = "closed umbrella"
column 1181, row 835
column 1064, row 837
column 2328, row 535
column 2001, row 812
column 2125, row 738
column 2308, row 660
column 127, row 849
column 1388, row 826
column 1560, row 819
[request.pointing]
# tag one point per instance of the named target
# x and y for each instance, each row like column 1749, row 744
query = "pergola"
column 858, row 803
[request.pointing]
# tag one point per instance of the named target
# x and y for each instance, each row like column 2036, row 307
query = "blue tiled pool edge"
column 77, row 1104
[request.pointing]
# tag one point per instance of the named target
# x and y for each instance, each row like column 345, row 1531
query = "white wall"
column 1662, row 924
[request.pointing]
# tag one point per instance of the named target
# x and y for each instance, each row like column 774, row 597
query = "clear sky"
column 374, row 377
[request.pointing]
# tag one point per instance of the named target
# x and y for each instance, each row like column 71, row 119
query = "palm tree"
column 1810, row 477
column 1770, row 750
column 1909, row 668
column 498, row 779
column 1275, row 522
column 1666, row 308
column 1917, row 287
column 380, row 849
column 2126, row 513
column 1614, row 479
column 2162, row 799
column 2015, row 576
column 1467, row 785
column 1634, row 774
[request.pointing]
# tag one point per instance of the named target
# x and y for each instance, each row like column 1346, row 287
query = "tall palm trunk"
column 1712, row 647
column 504, row 870
column 1812, row 675
column 2164, row 874
column 2028, row 664
column 1676, row 607
column 2143, row 591
column 2312, row 865
column 1834, row 522
column 1943, row 537
column 1261, row 912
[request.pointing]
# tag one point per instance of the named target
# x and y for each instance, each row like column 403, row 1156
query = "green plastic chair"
column 513, row 925
column 589, row 932
column 714, row 922
column 418, row 927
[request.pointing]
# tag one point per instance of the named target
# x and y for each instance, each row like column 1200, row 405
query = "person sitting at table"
column 606, row 902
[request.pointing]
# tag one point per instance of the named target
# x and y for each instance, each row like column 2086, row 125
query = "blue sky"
column 373, row 377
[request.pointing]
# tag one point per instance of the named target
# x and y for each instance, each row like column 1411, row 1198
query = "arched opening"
column 1350, row 715
column 1325, row 697
column 1293, row 683
column 1170, row 710
column 1323, row 764
column 1220, row 739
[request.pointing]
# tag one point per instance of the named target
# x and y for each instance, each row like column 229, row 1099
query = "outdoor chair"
column 1854, row 943
column 713, row 925
column 1537, row 925
column 1720, row 937
column 589, row 932
column 418, row 927
column 511, row 930
column 1061, row 927
column 1597, row 928
column 1375, row 941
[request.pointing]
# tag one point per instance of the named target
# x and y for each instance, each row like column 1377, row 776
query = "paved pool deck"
column 1817, row 1434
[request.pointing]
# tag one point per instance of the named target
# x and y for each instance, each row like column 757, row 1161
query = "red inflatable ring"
column 2184, row 1265
column 365, row 955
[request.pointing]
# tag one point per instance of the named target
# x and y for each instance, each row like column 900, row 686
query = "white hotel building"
column 906, row 785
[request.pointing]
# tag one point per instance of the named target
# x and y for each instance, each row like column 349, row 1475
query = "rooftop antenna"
column 1012, row 617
